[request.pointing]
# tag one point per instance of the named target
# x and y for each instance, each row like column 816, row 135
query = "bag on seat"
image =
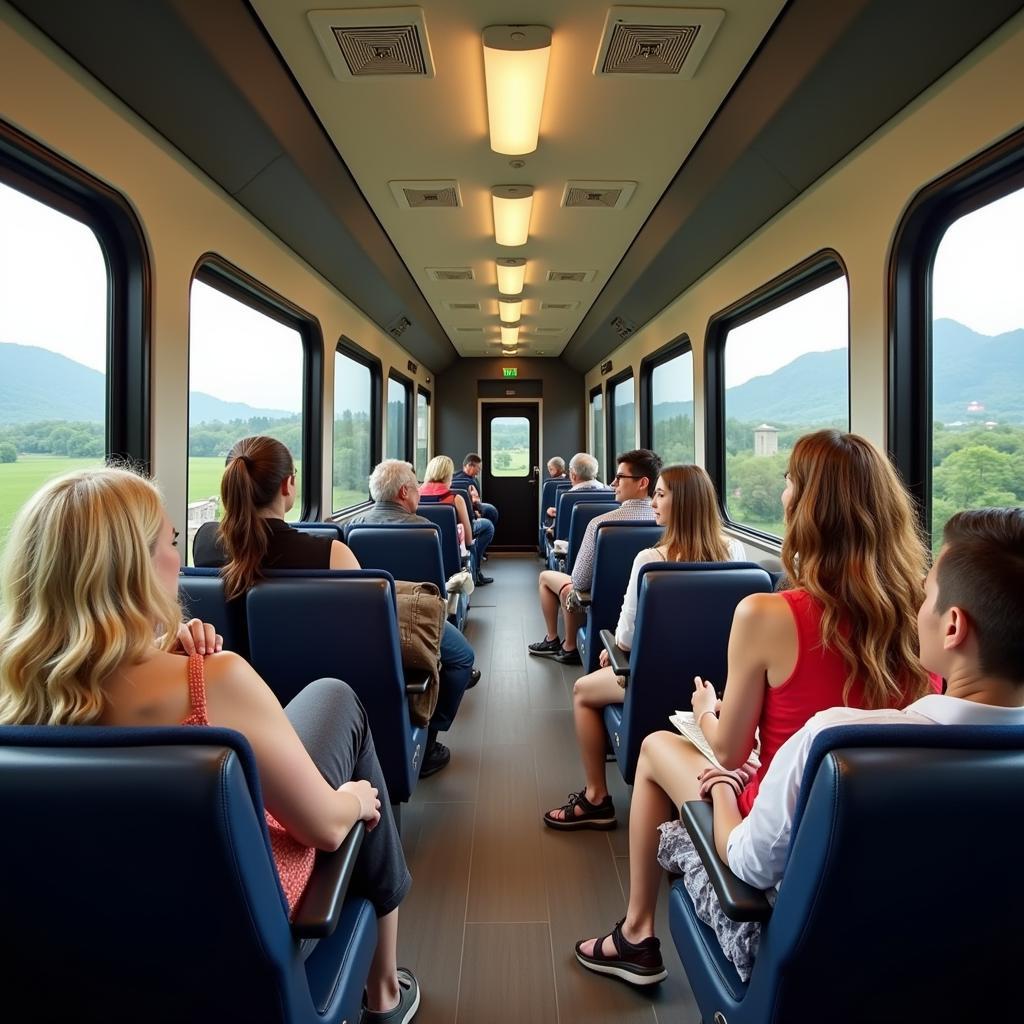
column 422, row 613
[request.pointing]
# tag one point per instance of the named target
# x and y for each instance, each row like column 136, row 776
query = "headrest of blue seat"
column 582, row 513
column 333, row 574
column 565, row 500
column 202, row 595
column 444, row 517
column 333, row 531
column 407, row 551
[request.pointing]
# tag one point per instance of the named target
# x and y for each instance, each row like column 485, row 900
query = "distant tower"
column 766, row 440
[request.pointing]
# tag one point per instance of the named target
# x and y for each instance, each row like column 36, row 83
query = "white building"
column 766, row 440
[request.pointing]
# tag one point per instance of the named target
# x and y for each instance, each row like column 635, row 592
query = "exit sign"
column 509, row 371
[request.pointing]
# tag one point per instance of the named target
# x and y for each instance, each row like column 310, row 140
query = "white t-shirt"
column 627, row 615
column 758, row 846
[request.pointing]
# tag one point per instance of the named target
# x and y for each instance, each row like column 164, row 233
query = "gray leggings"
column 331, row 723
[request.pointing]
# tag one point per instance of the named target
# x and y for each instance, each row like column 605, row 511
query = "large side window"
column 398, row 418
column 667, row 403
column 247, row 368
column 597, row 432
column 356, row 385
column 422, row 431
column 780, row 369
column 622, row 412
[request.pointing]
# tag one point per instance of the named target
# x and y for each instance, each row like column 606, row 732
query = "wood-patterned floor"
column 498, row 900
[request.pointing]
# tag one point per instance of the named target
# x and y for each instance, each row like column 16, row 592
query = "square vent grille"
column 653, row 42
column 598, row 195
column 423, row 195
column 374, row 43
column 559, row 306
column 470, row 330
column 450, row 273
column 464, row 307
column 549, row 330
column 572, row 276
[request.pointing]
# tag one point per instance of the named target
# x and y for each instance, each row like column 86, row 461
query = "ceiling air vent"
column 572, row 276
column 655, row 42
column 450, row 273
column 598, row 195
column 422, row 195
column 548, row 330
column 399, row 327
column 380, row 43
column 561, row 306
column 470, row 330
column 464, row 306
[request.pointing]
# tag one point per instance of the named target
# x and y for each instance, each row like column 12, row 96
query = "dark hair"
column 256, row 468
column 980, row 570
column 472, row 459
column 643, row 462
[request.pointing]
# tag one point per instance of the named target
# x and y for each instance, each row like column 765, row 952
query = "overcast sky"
column 53, row 295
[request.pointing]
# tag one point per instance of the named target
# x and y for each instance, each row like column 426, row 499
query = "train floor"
column 498, row 900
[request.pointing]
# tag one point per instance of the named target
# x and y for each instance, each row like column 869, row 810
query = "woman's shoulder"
column 762, row 611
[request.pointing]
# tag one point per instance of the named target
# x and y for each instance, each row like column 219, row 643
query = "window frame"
column 426, row 394
column 350, row 349
column 975, row 183
column 214, row 270
column 609, row 414
column 41, row 174
column 821, row 268
column 665, row 354
column 410, row 425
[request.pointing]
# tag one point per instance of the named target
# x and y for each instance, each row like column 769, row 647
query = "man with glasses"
column 634, row 482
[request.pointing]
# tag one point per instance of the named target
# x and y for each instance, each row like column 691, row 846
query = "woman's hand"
column 704, row 699
column 604, row 658
column 369, row 803
column 196, row 636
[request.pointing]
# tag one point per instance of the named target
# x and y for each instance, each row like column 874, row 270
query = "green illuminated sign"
column 509, row 371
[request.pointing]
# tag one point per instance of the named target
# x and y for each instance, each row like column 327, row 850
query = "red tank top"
column 294, row 861
column 815, row 684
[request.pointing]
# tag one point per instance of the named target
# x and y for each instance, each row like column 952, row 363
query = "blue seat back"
column 305, row 625
column 683, row 620
column 549, row 499
column 201, row 592
column 567, row 500
column 582, row 513
column 889, row 817
column 463, row 493
column 334, row 531
column 146, row 848
column 445, row 519
column 616, row 544
column 408, row 552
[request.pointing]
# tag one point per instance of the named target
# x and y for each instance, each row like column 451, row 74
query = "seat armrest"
column 416, row 681
column 584, row 596
column 317, row 913
column 619, row 658
column 740, row 902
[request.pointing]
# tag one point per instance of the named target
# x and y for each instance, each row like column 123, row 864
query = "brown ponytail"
column 255, row 469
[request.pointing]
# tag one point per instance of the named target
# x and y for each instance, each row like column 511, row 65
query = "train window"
column 398, row 418
column 510, row 446
column 422, row 431
column 53, row 347
column 245, row 377
column 622, row 413
column 355, row 444
column 597, row 432
column 666, row 401
column 977, row 405
column 780, row 369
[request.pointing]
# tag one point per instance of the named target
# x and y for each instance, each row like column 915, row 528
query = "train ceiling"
column 383, row 183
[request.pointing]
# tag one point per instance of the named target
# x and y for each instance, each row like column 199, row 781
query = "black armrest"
column 317, row 913
column 584, row 596
column 618, row 657
column 740, row 902
column 416, row 681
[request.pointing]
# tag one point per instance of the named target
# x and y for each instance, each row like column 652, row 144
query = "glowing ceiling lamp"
column 513, row 205
column 509, row 309
column 511, row 276
column 510, row 336
column 516, row 70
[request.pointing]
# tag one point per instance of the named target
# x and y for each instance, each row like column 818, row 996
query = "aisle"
column 498, row 900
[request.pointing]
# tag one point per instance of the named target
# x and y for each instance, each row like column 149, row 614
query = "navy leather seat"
column 333, row 530
column 142, row 886
column 304, row 625
column 616, row 544
column 901, row 899
column 549, row 499
column 201, row 592
column 408, row 552
column 683, row 619
column 565, row 502
column 582, row 513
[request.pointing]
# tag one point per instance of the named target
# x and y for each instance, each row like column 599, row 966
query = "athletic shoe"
column 408, row 1002
column 564, row 657
column 434, row 760
column 546, row 648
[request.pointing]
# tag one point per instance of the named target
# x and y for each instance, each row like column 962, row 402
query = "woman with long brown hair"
column 685, row 503
column 841, row 632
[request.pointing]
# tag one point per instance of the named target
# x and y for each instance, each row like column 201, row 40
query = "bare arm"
column 463, row 516
column 727, row 817
column 342, row 557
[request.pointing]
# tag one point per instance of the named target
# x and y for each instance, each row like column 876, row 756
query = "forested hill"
column 969, row 367
column 36, row 384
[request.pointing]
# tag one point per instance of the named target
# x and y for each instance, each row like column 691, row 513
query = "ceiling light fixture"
column 511, row 276
column 510, row 336
column 512, row 205
column 516, row 70
column 509, row 309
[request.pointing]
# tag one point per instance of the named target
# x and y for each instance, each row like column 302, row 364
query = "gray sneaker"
column 408, row 1002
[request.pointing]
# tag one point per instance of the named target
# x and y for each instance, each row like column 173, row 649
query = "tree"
column 8, row 453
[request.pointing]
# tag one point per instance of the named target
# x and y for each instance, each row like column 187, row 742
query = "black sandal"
column 599, row 816
column 639, row 963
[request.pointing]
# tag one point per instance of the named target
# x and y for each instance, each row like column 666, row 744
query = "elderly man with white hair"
column 582, row 475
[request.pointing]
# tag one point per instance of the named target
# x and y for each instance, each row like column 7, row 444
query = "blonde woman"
column 437, row 489
column 843, row 632
column 685, row 504
column 90, row 578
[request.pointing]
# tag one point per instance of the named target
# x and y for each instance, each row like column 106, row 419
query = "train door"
column 510, row 440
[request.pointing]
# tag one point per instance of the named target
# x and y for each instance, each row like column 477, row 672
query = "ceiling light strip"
column 515, row 70
column 512, row 206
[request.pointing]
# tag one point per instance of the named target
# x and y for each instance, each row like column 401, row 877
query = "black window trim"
column 352, row 350
column 42, row 174
column 410, row 410
column 820, row 268
column 985, row 177
column 678, row 346
column 214, row 270
column 609, row 414
column 427, row 394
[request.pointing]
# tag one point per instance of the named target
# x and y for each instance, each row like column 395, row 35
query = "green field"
column 510, row 462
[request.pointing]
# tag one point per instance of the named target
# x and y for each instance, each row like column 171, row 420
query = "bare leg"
column 573, row 621
column 549, row 584
column 382, row 992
